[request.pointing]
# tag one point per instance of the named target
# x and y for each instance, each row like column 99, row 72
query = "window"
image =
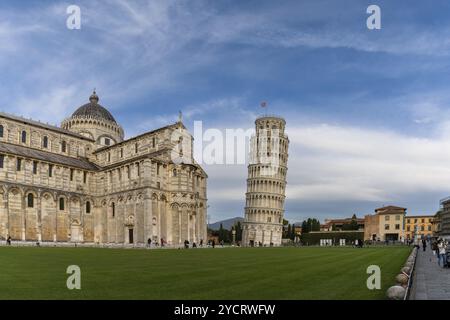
column 61, row 204
column 24, row 136
column 157, row 169
column 107, row 142
column 1, row 131
column 35, row 165
column 84, row 177
column 386, row 227
column 138, row 169
column 30, row 200
column 113, row 207
column 409, row 220
column 154, row 142
column 45, row 142
column 422, row 228
column 119, row 172
column 63, row 146
column 269, row 219
column 128, row 172
column 408, row 228
column 429, row 228
column 158, row 185
column 415, row 220
column 2, row 160
column 88, row 207
column 423, row 220
column 121, row 152
column 397, row 217
column 397, row 227
column 136, row 148
column 19, row 164
column 50, row 170
column 71, row 174
column 387, row 218
column 174, row 172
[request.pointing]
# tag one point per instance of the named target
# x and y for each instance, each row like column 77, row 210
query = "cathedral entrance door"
column 130, row 235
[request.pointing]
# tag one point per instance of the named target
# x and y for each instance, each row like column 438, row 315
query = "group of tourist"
column 439, row 247
column 155, row 243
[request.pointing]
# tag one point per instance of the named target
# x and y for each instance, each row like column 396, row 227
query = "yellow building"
column 386, row 224
column 423, row 225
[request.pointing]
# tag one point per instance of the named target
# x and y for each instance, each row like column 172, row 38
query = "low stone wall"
column 85, row 245
column 400, row 291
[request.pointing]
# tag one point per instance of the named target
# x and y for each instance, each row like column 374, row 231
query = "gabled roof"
column 21, row 151
column 390, row 208
column 139, row 136
column 42, row 125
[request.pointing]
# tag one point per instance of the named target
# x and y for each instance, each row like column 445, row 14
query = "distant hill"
column 226, row 224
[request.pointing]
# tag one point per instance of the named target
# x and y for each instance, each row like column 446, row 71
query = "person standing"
column 442, row 248
column 424, row 244
column 8, row 241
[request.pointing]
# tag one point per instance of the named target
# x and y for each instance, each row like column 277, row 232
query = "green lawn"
column 221, row 273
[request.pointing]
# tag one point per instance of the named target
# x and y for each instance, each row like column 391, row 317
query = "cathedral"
column 83, row 182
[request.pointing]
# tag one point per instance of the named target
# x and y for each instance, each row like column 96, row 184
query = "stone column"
column 194, row 223
column 55, row 238
column 39, row 216
column 158, row 219
column 147, row 215
column 180, row 212
column 24, row 218
column 189, row 225
column 6, row 202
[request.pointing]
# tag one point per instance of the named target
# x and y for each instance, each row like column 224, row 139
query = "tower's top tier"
column 270, row 123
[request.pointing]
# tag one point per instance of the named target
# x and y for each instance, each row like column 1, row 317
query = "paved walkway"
column 431, row 282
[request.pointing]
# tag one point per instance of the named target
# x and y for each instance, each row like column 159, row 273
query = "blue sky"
column 368, row 111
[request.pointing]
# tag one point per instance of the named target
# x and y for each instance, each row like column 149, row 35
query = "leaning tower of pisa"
column 266, row 183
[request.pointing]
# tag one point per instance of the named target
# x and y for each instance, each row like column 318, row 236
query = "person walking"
column 424, row 244
column 149, row 242
column 435, row 249
column 8, row 241
column 417, row 243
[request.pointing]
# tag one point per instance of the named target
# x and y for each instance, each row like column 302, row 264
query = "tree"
column 292, row 236
column 223, row 234
column 354, row 223
column 238, row 228
column 311, row 224
column 305, row 227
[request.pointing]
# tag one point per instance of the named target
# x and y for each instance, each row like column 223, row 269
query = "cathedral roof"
column 17, row 150
column 94, row 110
column 42, row 125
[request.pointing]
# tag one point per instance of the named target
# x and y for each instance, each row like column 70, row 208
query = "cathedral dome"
column 94, row 110
column 93, row 121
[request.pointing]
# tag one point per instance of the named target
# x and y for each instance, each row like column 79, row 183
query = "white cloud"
column 353, row 164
